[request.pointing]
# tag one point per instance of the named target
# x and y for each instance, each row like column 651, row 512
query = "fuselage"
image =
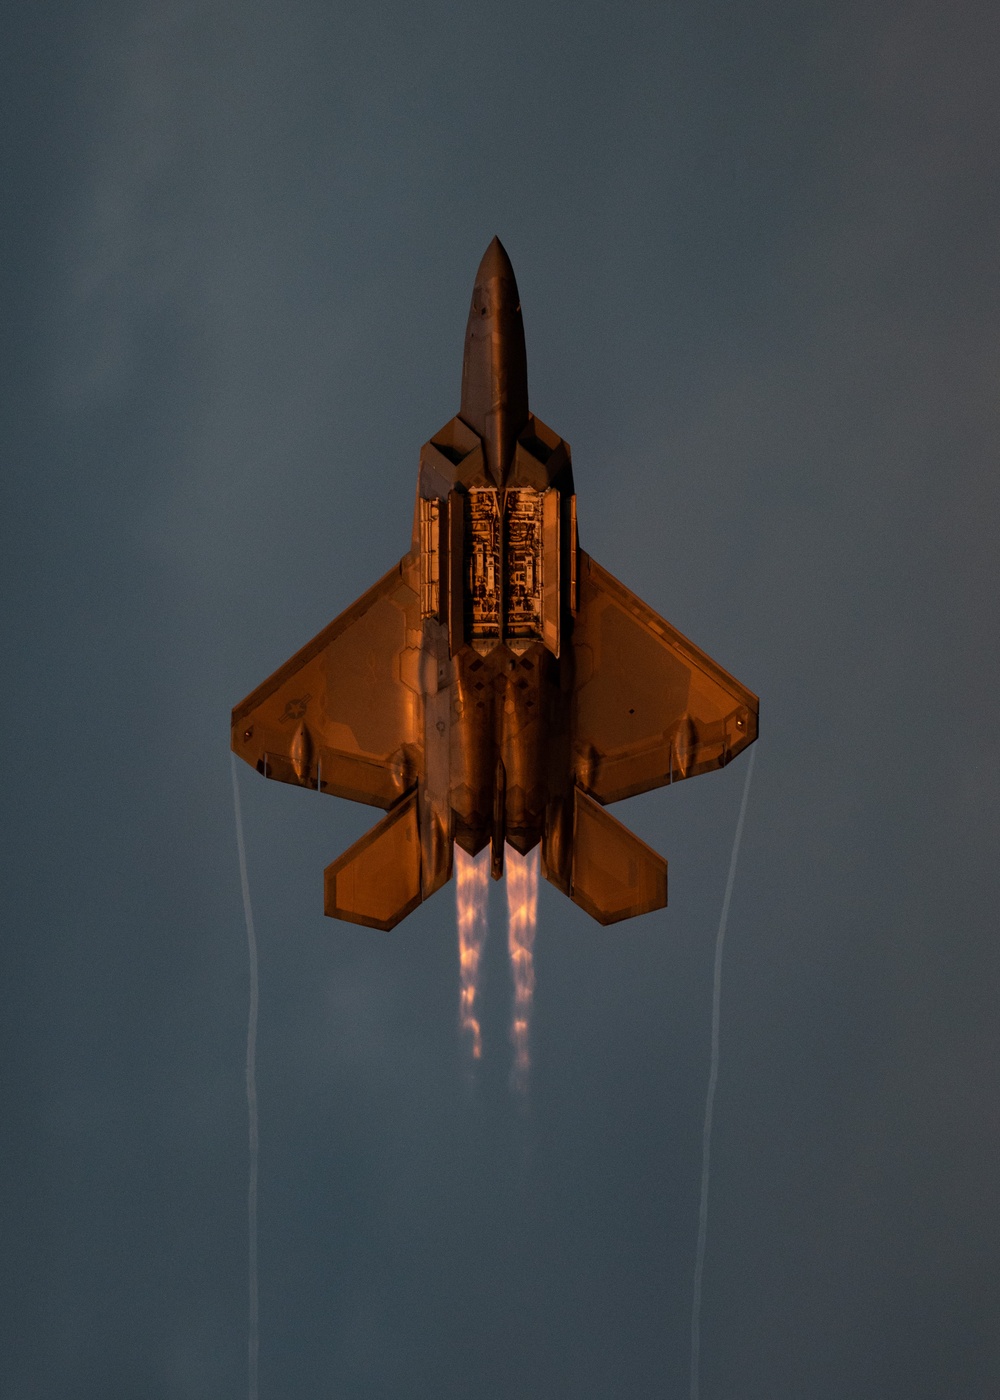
column 496, row 529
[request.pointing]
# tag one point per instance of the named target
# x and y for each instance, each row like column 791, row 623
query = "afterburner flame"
column 522, row 915
column 472, row 879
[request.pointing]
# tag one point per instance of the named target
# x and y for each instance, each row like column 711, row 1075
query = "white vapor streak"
column 706, row 1137
column 253, row 1310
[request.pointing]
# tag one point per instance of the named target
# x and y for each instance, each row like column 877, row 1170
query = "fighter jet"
column 496, row 685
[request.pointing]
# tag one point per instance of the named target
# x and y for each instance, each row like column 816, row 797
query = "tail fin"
column 377, row 881
column 614, row 874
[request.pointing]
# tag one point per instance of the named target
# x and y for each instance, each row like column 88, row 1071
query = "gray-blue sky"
column 756, row 252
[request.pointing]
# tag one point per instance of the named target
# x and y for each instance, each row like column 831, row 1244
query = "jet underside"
column 497, row 685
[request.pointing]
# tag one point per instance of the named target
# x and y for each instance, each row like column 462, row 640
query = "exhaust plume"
column 472, row 878
column 522, row 915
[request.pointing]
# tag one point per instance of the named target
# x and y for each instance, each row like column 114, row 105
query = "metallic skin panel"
column 434, row 810
column 573, row 557
column 650, row 707
column 475, row 698
column 340, row 715
column 377, row 881
column 495, row 365
column 528, row 736
column 615, row 875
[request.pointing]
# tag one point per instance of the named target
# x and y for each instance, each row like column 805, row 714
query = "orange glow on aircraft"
column 497, row 685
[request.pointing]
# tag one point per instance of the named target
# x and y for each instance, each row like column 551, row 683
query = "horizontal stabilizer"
column 377, row 881
column 615, row 875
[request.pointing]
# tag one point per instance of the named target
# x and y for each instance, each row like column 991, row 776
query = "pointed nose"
column 495, row 263
column 495, row 366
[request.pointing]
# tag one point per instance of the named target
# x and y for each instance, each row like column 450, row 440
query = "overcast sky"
column 756, row 248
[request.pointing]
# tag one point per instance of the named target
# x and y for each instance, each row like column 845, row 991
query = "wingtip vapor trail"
column 713, row 1078
column 253, row 1330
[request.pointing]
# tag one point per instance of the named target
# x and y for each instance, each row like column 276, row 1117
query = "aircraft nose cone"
column 495, row 367
column 495, row 264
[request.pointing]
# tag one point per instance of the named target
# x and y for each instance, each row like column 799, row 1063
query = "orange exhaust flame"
column 522, row 916
column 472, row 880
